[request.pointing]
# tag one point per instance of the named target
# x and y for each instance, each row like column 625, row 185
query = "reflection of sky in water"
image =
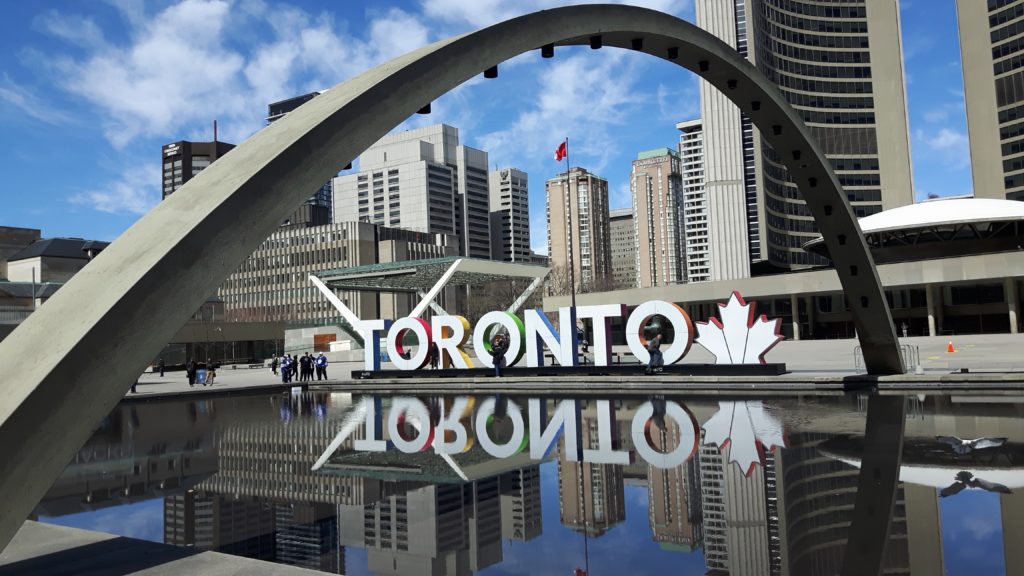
column 625, row 549
column 143, row 520
column 972, row 533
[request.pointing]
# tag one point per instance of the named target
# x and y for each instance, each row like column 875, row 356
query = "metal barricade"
column 909, row 354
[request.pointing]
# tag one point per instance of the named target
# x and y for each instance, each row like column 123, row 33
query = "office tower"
column 623, row 246
column 673, row 495
column 510, row 216
column 695, row 201
column 990, row 51
column 520, row 504
column 841, row 68
column 273, row 283
column 183, row 159
column 577, row 214
column 591, row 496
column 316, row 210
column 422, row 180
column 237, row 526
column 656, row 184
column 307, row 536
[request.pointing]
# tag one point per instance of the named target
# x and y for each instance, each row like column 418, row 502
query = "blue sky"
column 90, row 90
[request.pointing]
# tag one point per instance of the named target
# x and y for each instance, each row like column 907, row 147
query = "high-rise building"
column 841, row 68
column 510, row 215
column 623, row 246
column 316, row 210
column 520, row 504
column 673, row 494
column 994, row 94
column 656, row 183
column 422, row 180
column 577, row 214
column 695, row 201
column 183, row 159
column 591, row 496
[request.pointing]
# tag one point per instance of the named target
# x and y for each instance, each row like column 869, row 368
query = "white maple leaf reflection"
column 739, row 338
column 747, row 429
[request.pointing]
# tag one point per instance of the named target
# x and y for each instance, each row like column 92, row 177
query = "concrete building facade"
column 695, row 202
column 841, row 68
column 510, row 215
column 421, row 180
column 656, row 184
column 317, row 210
column 577, row 215
column 623, row 246
column 991, row 48
column 182, row 160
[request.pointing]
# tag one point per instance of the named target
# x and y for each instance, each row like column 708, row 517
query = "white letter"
column 605, row 426
column 515, row 443
column 370, row 329
column 543, row 438
column 452, row 421
column 418, row 417
column 372, row 442
column 602, row 315
column 681, row 324
column 539, row 332
column 687, row 435
column 421, row 329
column 450, row 334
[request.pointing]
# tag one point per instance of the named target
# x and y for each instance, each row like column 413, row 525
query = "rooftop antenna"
column 215, row 131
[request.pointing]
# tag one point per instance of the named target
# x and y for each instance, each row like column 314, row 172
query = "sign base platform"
column 584, row 370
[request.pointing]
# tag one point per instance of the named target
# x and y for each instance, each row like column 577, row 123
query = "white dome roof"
column 943, row 211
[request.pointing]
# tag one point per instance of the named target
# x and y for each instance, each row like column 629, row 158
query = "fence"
column 14, row 314
column 909, row 354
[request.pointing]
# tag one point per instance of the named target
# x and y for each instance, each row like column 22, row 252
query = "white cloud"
column 74, row 29
column 479, row 13
column 952, row 145
column 680, row 102
column 576, row 99
column 29, row 103
column 134, row 192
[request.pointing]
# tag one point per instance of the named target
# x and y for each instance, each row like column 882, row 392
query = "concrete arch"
column 77, row 355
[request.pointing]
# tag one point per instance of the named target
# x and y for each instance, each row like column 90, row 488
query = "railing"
column 909, row 354
column 14, row 314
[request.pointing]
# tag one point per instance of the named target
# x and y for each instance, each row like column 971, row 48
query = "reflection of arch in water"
column 77, row 353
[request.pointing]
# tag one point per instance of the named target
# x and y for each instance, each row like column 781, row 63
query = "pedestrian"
column 161, row 366
column 211, row 375
column 435, row 356
column 303, row 367
column 656, row 360
column 284, row 369
column 499, row 345
column 190, row 371
column 273, row 366
column 310, row 361
column 903, row 327
column 321, row 367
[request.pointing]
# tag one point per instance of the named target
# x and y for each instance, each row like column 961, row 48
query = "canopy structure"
column 422, row 275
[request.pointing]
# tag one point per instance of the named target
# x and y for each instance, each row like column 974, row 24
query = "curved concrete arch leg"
column 78, row 354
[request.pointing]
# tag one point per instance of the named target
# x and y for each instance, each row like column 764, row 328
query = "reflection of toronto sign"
column 533, row 426
column 738, row 337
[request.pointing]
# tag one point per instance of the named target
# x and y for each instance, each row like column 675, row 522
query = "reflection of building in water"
column 242, row 527
column 817, row 507
column 443, row 529
column 591, row 496
column 520, row 504
column 307, row 536
column 673, row 495
column 739, row 536
column 141, row 451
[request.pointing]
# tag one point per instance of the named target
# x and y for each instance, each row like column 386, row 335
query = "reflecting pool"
column 516, row 484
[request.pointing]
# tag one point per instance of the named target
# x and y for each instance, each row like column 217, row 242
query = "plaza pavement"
column 983, row 353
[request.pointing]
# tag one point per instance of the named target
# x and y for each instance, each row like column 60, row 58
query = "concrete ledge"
column 216, row 390
column 40, row 548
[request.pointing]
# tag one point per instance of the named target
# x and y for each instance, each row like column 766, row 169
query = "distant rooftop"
column 620, row 213
column 656, row 153
column 76, row 248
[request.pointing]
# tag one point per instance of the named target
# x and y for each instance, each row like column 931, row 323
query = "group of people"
column 301, row 366
column 200, row 373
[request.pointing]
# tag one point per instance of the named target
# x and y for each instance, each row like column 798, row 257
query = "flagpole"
column 568, row 212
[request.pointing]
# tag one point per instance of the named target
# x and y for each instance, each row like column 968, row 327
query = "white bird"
column 967, row 446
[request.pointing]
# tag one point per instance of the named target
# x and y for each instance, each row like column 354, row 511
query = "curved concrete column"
column 79, row 353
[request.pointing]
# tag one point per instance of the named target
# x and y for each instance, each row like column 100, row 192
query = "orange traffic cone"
column 949, row 348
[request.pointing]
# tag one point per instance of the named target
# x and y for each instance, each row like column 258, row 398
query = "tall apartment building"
column 421, row 180
column 623, row 246
column 591, row 496
column 577, row 214
column 991, row 48
column 510, row 215
column 273, row 283
column 695, row 201
column 182, row 160
column 673, row 494
column 520, row 504
column 656, row 184
column 841, row 68
column 316, row 210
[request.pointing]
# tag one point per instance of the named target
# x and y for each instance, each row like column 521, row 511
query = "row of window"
column 819, row 11
column 811, row 55
column 806, row 39
column 832, row 26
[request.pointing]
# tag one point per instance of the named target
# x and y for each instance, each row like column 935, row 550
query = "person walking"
column 161, row 366
column 304, row 367
column 190, row 371
column 435, row 356
column 321, row 367
column 273, row 365
column 656, row 360
column 499, row 345
column 211, row 374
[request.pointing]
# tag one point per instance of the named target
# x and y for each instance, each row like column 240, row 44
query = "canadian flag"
column 562, row 151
